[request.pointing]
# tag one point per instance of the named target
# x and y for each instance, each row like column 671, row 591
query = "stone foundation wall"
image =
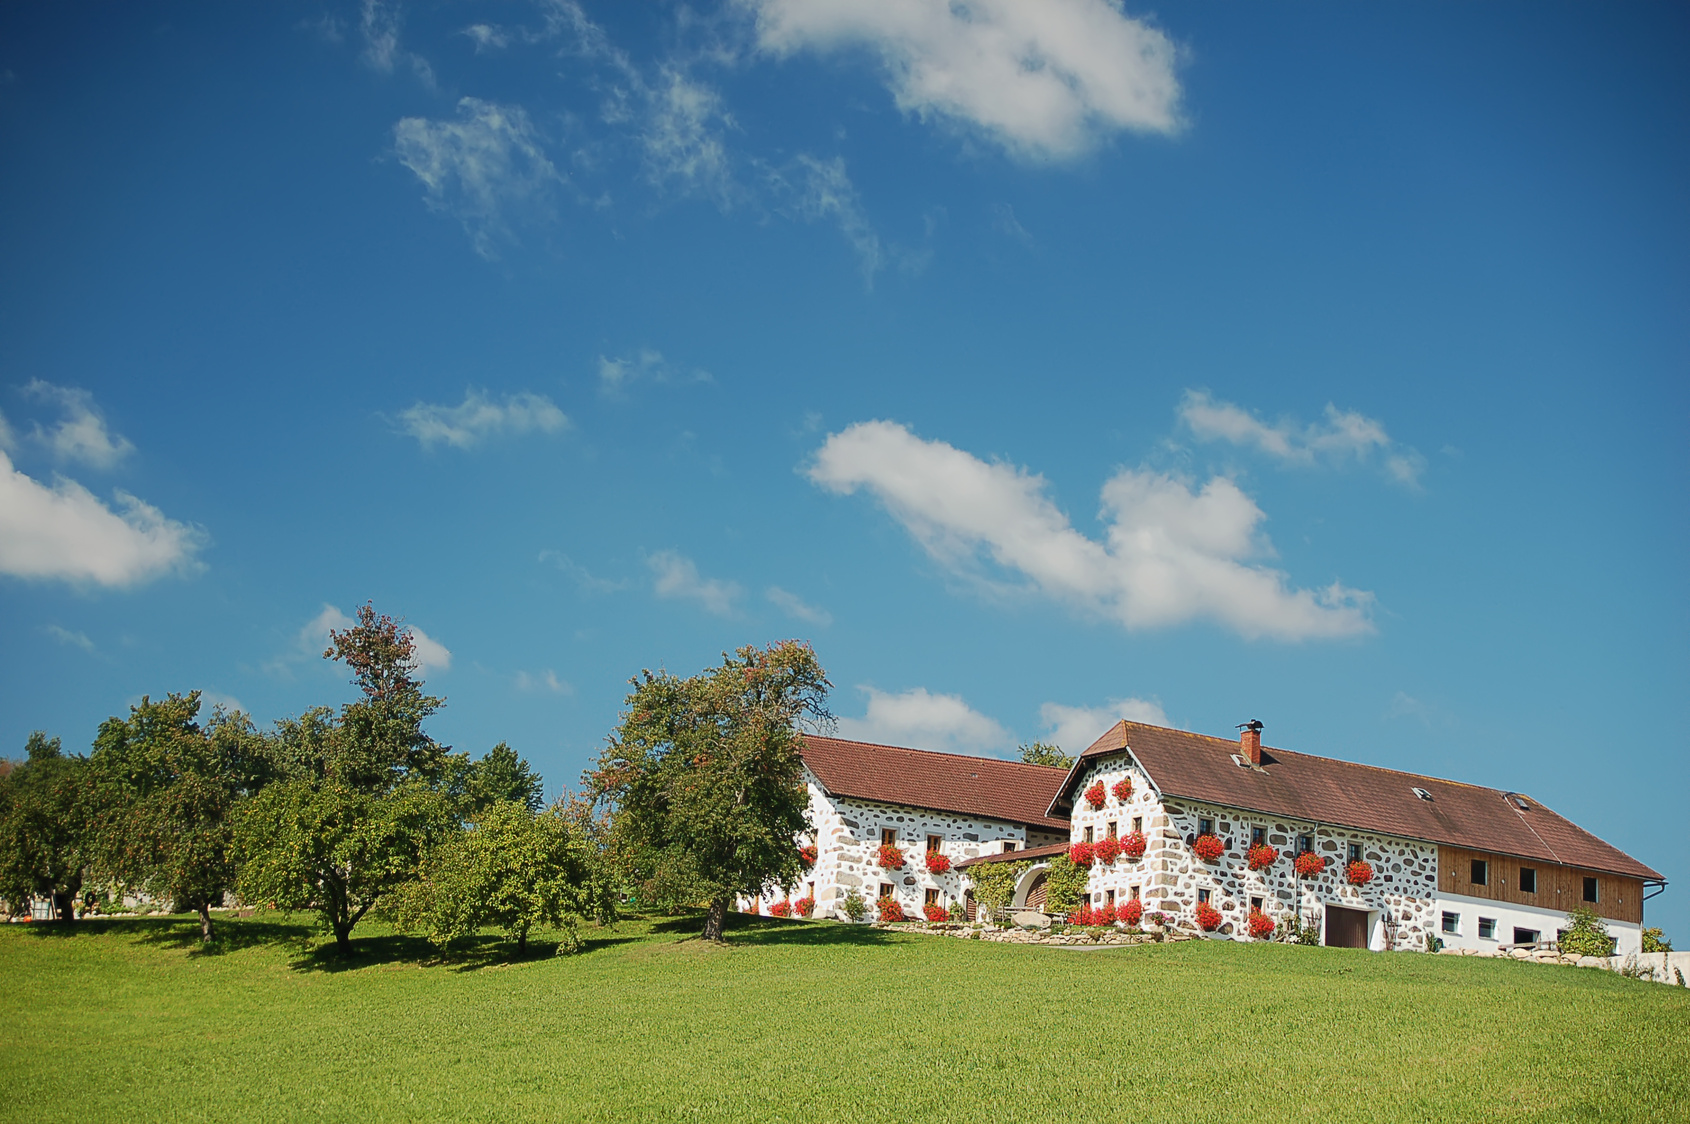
column 1169, row 875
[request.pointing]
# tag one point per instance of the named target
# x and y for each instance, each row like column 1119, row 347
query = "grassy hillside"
column 813, row 1022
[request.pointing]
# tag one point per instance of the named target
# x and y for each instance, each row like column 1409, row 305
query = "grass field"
column 127, row 1020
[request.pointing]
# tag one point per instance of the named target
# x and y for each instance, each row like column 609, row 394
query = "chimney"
column 1250, row 739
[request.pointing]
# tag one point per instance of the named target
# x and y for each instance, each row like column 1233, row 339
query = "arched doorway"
column 1035, row 898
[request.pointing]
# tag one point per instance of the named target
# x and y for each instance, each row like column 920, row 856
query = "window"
column 885, row 890
column 1305, row 843
column 810, row 890
column 1111, row 831
column 1132, row 892
column 1088, row 835
column 1528, row 880
column 888, row 835
column 1590, row 889
column 1258, row 835
column 1109, row 896
column 1202, row 896
column 934, row 842
column 1355, row 852
column 1481, row 872
column 1009, row 845
column 1452, row 923
column 1138, row 823
column 1487, row 928
column 1255, row 905
column 1525, row 936
column 1205, row 826
column 932, row 897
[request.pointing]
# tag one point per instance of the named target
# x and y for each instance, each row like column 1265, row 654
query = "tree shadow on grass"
column 467, row 954
column 181, row 932
column 748, row 930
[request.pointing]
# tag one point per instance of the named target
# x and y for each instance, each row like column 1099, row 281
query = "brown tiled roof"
column 1345, row 794
column 946, row 782
column 1046, row 852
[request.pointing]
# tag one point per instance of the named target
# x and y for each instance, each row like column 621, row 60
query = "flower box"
column 1358, row 873
column 937, row 863
column 1309, row 864
column 1130, row 912
column 936, row 914
column 1209, row 847
column 1097, row 795
column 890, row 910
column 1123, row 789
column 807, row 855
column 1261, row 856
column 803, row 907
column 1132, row 844
column 1208, row 917
column 1107, row 849
column 1260, row 925
column 890, row 857
column 1081, row 854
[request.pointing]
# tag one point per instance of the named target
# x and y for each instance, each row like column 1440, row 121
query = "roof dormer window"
column 1422, row 793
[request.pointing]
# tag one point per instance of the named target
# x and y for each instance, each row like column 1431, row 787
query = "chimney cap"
column 1254, row 725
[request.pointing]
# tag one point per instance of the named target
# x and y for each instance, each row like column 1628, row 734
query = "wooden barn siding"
column 1558, row 887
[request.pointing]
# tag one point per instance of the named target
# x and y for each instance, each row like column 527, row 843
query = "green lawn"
column 126, row 1020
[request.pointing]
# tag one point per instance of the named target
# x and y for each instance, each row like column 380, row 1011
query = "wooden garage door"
column 1346, row 928
column 1036, row 892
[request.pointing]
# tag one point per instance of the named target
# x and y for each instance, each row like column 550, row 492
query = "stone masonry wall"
column 1169, row 875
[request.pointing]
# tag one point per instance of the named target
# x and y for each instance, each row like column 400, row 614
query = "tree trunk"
column 205, row 922
column 64, row 905
column 522, row 941
column 343, row 938
column 716, row 919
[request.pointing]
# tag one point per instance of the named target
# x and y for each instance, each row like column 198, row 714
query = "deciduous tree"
column 43, row 827
column 1042, row 753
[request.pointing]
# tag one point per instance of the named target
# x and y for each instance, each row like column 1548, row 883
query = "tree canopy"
column 43, row 827
column 704, row 777
column 1042, row 753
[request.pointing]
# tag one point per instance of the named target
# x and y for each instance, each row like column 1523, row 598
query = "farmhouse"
column 1375, row 858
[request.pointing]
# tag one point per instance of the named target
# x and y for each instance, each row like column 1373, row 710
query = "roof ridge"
column 936, row 752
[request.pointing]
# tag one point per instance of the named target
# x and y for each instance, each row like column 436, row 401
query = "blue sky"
column 1324, row 365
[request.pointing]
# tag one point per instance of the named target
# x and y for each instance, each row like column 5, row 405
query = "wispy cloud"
column 65, row 533
column 825, row 193
column 543, row 681
column 479, row 168
column 431, row 654
column 676, row 576
column 1046, row 81
column 1344, row 436
column 379, row 23
column 480, row 418
column 683, row 134
column 71, row 638
column 797, row 608
column 583, row 578
column 618, row 375
column 1170, row 554
column 80, row 434
column 1076, row 727
column 923, row 720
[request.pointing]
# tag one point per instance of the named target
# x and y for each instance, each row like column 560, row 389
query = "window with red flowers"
column 1132, row 845
column 1309, row 864
column 1261, row 856
column 1359, row 872
column 1081, row 854
column 1123, row 789
column 1107, row 849
column 1208, row 917
column 1097, row 795
column 1208, row 847
column 890, row 857
column 937, row 863
column 1260, row 925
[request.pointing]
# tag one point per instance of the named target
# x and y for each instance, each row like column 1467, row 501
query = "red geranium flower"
column 1080, row 854
column 1106, row 915
column 1097, row 795
column 936, row 912
column 937, row 863
column 890, row 857
column 1085, row 915
column 1309, row 864
column 1208, row 917
column 1261, row 855
column 1123, row 789
column 889, row 909
column 807, row 854
column 1261, row 925
column 1129, row 912
column 1107, row 849
column 1132, row 844
column 1359, row 873
column 1209, row 847
column 781, row 909
column 803, row 907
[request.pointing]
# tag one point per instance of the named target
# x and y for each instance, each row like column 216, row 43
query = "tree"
column 1586, row 934
column 165, row 790
column 1065, row 884
column 1041, row 753
column 43, row 827
column 514, row 869
column 994, row 884
column 359, row 801
column 704, row 776
column 499, row 775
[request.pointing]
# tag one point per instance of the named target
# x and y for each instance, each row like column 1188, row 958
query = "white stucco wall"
column 1628, row 936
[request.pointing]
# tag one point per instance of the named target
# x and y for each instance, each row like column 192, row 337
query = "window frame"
column 1203, row 896
column 1450, row 923
column 1479, row 872
column 888, row 837
column 1088, row 833
column 1138, row 824
column 1487, row 923
column 1305, row 842
column 1592, row 890
column 1205, row 825
column 1352, row 852
column 1258, row 835
column 1528, row 874
column 887, row 890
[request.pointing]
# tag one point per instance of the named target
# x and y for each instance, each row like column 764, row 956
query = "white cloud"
column 66, row 533
column 827, row 194
column 478, row 418
column 431, row 654
column 1343, row 437
column 74, row 639
column 486, row 37
column 584, row 578
column 81, row 434
column 211, row 700
column 544, row 681
column 1047, row 80
column 676, row 576
column 380, row 23
column 617, row 375
column 1076, row 727
column 682, row 137
column 797, row 608
column 922, row 720
column 1169, row 554
column 478, row 167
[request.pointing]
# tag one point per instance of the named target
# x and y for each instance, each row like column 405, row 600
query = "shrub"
column 937, row 863
column 854, row 906
column 935, row 913
column 1123, row 789
column 1132, row 844
column 1309, row 864
column 1107, row 849
column 1156, row 917
column 994, row 884
column 781, row 909
column 890, row 857
column 889, row 910
column 1653, row 941
column 1065, row 884
column 1586, row 934
column 1080, row 915
column 1209, row 847
column 1208, row 917
column 1261, row 856
column 1129, row 912
column 1081, row 854
column 1097, row 795
column 803, row 907
column 1260, row 924
column 1358, row 873
column 958, row 912
column 807, row 855
column 1107, row 915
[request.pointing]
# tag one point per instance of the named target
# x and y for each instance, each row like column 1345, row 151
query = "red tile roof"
column 946, row 782
column 1344, row 794
column 1050, row 851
